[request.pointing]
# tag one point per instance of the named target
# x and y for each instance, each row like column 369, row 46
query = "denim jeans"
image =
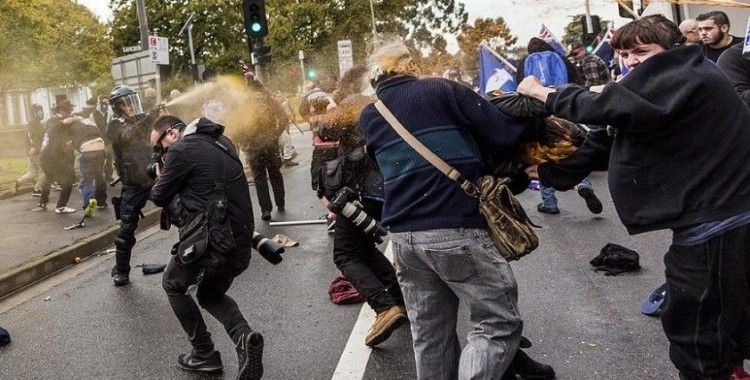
column 438, row 268
column 548, row 193
column 91, row 166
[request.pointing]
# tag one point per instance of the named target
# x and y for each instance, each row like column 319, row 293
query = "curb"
column 21, row 190
column 41, row 267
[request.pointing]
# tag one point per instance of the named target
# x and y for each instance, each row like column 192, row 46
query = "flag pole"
column 604, row 39
column 498, row 56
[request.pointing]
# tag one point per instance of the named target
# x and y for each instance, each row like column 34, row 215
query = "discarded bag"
column 614, row 259
column 152, row 268
column 4, row 337
column 342, row 292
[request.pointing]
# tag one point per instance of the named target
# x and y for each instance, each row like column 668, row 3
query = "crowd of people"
column 672, row 134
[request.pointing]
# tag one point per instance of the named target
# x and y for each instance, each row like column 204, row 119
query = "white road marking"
column 353, row 361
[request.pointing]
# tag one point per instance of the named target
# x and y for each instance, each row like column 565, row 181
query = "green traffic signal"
column 312, row 74
column 589, row 48
column 255, row 27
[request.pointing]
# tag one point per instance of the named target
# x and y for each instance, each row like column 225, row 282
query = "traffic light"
column 589, row 36
column 263, row 54
column 312, row 74
column 256, row 25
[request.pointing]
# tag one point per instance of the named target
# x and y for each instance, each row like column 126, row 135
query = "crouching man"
column 194, row 158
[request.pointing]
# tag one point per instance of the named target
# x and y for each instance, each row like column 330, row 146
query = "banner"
column 550, row 38
column 604, row 49
column 495, row 72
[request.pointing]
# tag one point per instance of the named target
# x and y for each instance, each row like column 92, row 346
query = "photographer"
column 193, row 157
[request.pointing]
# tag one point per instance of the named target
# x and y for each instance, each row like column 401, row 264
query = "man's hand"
column 532, row 172
column 533, row 88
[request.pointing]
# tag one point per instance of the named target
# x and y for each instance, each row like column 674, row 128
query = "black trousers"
column 61, row 172
column 216, row 280
column 268, row 160
column 707, row 313
column 361, row 262
column 132, row 201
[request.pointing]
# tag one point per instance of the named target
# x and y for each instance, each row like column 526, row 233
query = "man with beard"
column 714, row 31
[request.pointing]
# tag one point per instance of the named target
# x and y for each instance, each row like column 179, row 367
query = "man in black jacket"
column 193, row 157
column 57, row 157
column 737, row 69
column 677, row 160
column 34, row 137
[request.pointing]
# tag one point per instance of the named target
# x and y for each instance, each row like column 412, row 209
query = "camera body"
column 157, row 161
column 345, row 203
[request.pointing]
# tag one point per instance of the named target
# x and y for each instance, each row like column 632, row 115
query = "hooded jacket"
column 191, row 167
column 679, row 156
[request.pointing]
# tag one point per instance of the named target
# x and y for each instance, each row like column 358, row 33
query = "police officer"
column 129, row 133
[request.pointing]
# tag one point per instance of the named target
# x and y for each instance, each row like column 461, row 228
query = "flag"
column 550, row 38
column 604, row 49
column 494, row 74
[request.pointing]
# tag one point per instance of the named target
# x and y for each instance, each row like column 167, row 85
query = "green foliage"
column 49, row 43
column 495, row 31
column 574, row 29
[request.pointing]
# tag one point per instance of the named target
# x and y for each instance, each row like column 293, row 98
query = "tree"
column 574, row 29
column 495, row 31
column 50, row 43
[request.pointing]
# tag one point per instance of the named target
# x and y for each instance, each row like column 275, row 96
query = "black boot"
column 250, row 356
column 530, row 369
column 120, row 278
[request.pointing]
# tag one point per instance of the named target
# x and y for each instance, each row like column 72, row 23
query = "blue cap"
column 653, row 304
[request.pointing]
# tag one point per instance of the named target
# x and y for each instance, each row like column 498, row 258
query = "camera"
column 345, row 203
column 269, row 249
column 157, row 161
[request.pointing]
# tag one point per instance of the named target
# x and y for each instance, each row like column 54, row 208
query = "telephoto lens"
column 269, row 249
column 353, row 212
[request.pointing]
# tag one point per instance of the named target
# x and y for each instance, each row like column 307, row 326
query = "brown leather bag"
column 508, row 224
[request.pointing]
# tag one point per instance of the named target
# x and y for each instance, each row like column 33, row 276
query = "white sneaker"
column 64, row 210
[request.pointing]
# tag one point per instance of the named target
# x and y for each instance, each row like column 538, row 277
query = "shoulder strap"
column 423, row 151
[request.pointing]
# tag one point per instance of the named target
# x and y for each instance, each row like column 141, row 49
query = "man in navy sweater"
column 442, row 251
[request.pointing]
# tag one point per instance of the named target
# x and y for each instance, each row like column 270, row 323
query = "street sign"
column 158, row 50
column 131, row 49
column 346, row 58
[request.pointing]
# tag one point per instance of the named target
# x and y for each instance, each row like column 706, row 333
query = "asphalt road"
column 586, row 325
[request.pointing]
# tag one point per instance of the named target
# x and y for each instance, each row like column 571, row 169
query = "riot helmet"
column 125, row 102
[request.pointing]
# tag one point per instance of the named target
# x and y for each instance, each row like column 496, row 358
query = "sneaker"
column 89, row 210
column 592, row 202
column 212, row 364
column 56, row 187
column 547, row 210
column 266, row 215
column 40, row 207
column 120, row 279
column 36, row 194
column 250, row 356
column 64, row 210
column 385, row 323
column 527, row 368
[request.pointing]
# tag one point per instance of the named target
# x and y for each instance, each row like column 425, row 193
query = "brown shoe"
column 385, row 323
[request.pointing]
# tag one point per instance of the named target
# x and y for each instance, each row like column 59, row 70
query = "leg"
column 40, row 174
column 46, row 187
column 258, row 166
column 66, row 183
column 99, row 180
column 549, row 201
column 132, row 201
column 275, row 177
column 586, row 191
column 432, row 309
column 87, row 169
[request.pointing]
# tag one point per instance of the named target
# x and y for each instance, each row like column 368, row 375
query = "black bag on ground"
column 614, row 259
column 4, row 337
column 210, row 229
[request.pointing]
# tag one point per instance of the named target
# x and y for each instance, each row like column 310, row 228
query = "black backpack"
column 614, row 259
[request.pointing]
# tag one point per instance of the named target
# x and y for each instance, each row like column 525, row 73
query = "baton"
column 298, row 222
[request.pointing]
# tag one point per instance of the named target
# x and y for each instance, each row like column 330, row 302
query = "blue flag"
column 604, row 49
column 494, row 74
column 552, row 41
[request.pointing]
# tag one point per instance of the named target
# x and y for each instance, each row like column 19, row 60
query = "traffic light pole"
column 589, row 23
column 256, row 45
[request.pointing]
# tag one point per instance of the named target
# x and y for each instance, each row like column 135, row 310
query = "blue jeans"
column 438, row 268
column 548, row 193
column 93, row 184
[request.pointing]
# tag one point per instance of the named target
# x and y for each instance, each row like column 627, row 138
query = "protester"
column 442, row 251
column 93, row 186
column 689, row 29
column 667, row 169
column 260, row 144
column 737, row 69
column 714, row 31
column 194, row 159
column 57, row 158
column 34, row 137
column 129, row 132
column 592, row 70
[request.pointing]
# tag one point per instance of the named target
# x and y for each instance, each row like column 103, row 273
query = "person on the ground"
column 193, row 160
column 689, row 29
column 260, row 144
column 57, row 158
column 34, row 137
column 737, row 68
column 442, row 251
column 668, row 170
column 548, row 64
column 129, row 133
column 714, row 31
column 93, row 186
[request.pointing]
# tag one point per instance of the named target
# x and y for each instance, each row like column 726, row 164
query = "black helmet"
column 125, row 101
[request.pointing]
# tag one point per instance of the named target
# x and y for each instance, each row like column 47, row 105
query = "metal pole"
column 142, row 22
column 374, row 31
column 259, row 73
column 192, row 52
column 589, row 23
column 302, row 67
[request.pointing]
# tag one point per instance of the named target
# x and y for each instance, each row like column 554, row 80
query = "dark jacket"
column 35, row 134
column 57, row 154
column 449, row 118
column 737, row 69
column 132, row 149
column 191, row 166
column 679, row 156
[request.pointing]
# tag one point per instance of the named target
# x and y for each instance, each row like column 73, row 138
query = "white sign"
column 158, row 50
column 131, row 49
column 346, row 58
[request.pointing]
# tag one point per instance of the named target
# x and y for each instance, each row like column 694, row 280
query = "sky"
column 523, row 16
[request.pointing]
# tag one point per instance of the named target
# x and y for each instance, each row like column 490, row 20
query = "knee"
column 171, row 286
column 124, row 240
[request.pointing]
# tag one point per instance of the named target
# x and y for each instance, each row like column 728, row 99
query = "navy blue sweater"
column 449, row 118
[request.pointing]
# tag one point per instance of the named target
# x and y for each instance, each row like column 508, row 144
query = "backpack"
column 548, row 67
column 614, row 259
